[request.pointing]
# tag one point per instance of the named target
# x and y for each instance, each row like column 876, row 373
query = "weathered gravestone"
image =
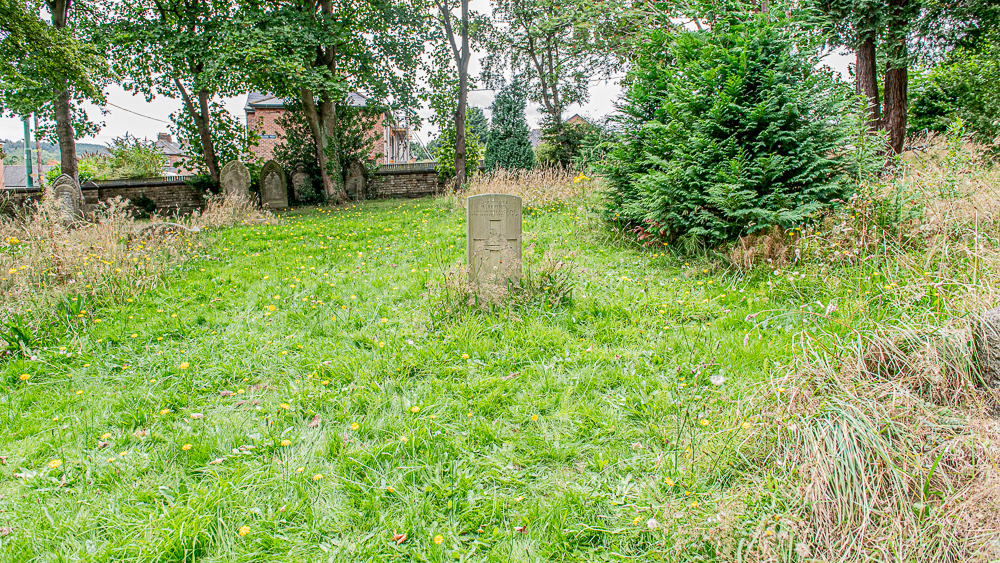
column 235, row 180
column 357, row 181
column 273, row 188
column 493, row 238
column 302, row 185
column 68, row 198
column 986, row 343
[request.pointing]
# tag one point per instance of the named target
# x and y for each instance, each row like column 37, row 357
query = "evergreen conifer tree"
column 509, row 146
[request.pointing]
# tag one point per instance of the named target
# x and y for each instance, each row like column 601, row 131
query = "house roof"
column 260, row 100
column 14, row 176
column 170, row 148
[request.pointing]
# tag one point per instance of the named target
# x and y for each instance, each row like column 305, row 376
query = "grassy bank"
column 307, row 391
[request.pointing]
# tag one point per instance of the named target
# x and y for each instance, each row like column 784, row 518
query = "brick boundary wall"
column 174, row 195
column 171, row 195
column 405, row 183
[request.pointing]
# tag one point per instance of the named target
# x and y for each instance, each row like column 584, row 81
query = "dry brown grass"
column 887, row 433
column 114, row 255
column 536, row 187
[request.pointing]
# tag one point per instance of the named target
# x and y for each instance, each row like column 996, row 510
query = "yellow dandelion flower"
column 184, row 365
column 300, row 470
column 106, row 435
column 186, row 447
column 24, row 376
column 438, row 539
column 285, row 406
column 414, row 409
column 465, row 356
column 317, row 476
column 286, row 443
column 55, row 463
column 534, row 418
column 164, row 411
column 355, row 426
column 243, row 531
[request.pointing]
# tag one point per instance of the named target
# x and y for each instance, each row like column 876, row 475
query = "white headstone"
column 493, row 238
column 235, row 180
column 273, row 188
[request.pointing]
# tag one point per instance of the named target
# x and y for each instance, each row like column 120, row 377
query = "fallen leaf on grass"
column 5, row 531
column 102, row 445
column 511, row 376
column 217, row 461
column 522, row 529
column 197, row 416
column 226, row 393
column 398, row 538
column 3, row 460
column 141, row 433
column 315, row 421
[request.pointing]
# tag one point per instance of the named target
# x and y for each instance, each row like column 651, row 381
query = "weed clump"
column 540, row 280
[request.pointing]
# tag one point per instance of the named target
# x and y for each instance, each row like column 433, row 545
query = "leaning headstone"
column 273, row 188
column 235, row 180
column 493, row 238
column 986, row 342
column 357, row 181
column 68, row 198
column 302, row 185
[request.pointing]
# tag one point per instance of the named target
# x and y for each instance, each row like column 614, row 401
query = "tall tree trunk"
column 319, row 138
column 202, row 123
column 64, row 120
column 328, row 116
column 205, row 135
column 66, row 136
column 896, row 76
column 866, row 80
column 463, row 96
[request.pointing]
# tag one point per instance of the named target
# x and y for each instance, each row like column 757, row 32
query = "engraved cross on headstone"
column 493, row 238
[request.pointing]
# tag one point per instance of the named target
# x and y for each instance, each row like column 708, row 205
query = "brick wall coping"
column 407, row 167
column 139, row 182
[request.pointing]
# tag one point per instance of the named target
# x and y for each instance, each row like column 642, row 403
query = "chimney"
column 165, row 137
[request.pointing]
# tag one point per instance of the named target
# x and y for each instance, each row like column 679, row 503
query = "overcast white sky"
column 127, row 113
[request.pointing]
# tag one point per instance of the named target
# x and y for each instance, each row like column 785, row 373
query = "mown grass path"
column 296, row 393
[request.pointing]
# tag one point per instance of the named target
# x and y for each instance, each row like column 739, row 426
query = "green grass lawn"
column 297, row 393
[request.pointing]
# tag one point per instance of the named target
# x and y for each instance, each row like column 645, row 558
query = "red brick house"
column 392, row 136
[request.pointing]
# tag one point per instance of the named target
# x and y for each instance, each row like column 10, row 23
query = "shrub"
column 509, row 147
column 960, row 88
column 562, row 144
column 127, row 158
column 726, row 133
column 444, row 152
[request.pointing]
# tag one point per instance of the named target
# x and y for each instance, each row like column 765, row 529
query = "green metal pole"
column 27, row 155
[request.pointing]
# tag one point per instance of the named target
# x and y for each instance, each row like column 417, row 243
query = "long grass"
column 301, row 390
column 885, row 422
column 112, row 254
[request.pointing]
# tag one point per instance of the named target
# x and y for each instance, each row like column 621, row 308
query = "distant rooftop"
column 269, row 101
column 14, row 176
